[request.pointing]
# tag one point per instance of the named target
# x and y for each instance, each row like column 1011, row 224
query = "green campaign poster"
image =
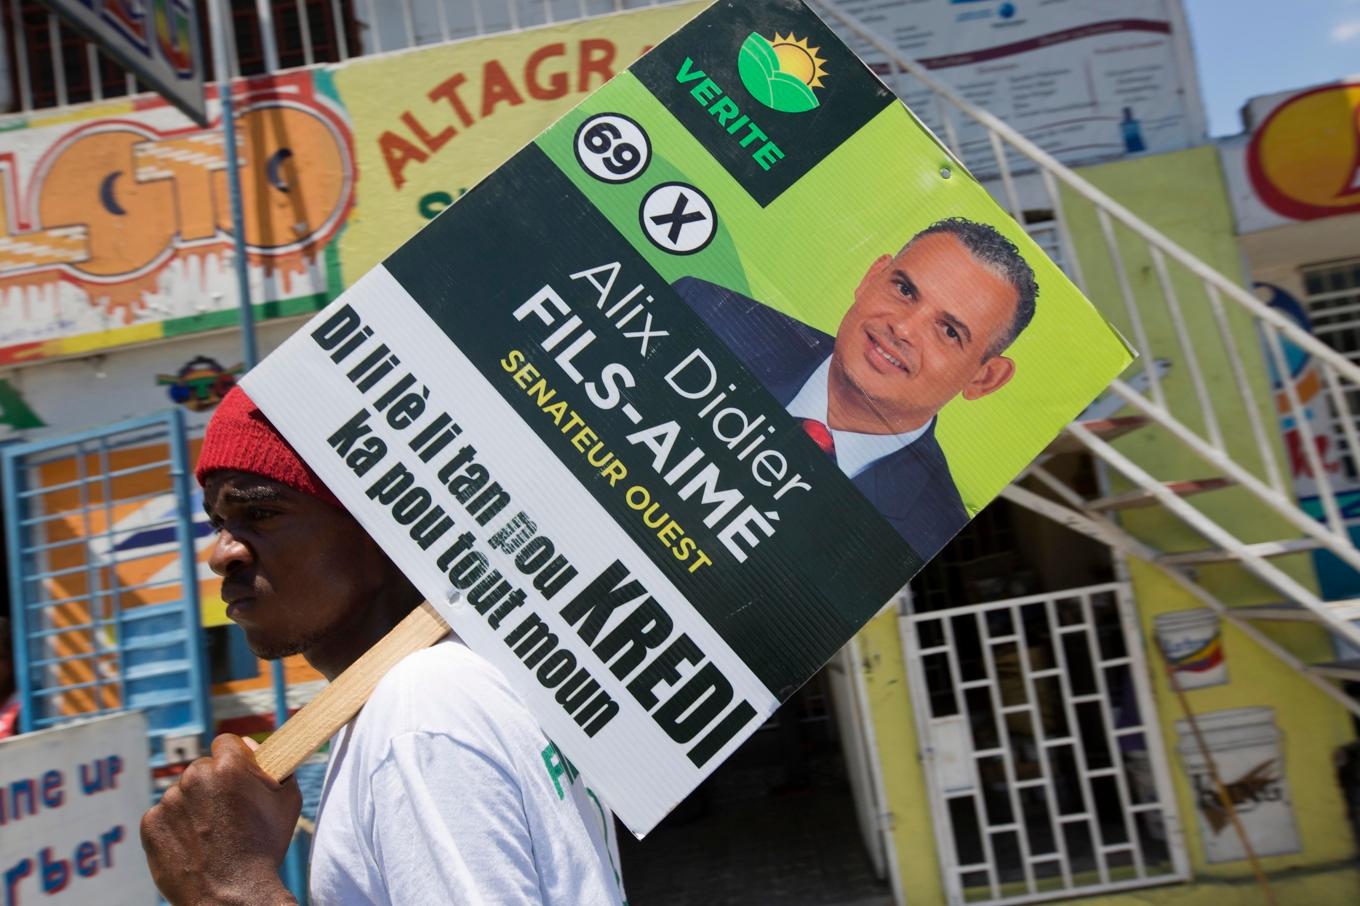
column 661, row 412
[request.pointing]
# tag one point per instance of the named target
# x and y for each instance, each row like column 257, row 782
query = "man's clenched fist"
column 221, row 833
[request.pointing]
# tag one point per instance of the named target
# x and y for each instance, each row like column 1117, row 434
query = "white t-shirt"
column 443, row 789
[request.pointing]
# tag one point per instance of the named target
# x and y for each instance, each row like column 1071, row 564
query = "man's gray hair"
column 988, row 246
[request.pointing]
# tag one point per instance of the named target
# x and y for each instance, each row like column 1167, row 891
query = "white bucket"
column 1193, row 643
column 1245, row 745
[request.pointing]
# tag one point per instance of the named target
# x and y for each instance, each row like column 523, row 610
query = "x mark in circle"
column 677, row 218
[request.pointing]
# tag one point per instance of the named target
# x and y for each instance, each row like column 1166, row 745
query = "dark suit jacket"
column 912, row 488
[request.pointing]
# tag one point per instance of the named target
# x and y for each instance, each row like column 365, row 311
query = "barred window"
column 1332, row 294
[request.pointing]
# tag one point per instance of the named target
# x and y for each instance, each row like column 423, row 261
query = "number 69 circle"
column 612, row 148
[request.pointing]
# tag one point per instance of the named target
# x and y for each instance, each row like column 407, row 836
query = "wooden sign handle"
column 320, row 719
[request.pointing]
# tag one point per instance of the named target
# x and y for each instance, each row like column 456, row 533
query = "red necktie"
column 821, row 436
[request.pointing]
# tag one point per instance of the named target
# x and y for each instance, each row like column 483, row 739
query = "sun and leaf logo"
column 781, row 72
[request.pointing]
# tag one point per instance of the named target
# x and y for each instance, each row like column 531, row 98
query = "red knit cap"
column 240, row 438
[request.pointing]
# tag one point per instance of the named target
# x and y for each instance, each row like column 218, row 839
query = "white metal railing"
column 1174, row 307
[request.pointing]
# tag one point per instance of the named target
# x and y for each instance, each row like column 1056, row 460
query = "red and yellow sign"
column 1304, row 159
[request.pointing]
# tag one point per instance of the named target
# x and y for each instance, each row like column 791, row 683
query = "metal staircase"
column 1214, row 434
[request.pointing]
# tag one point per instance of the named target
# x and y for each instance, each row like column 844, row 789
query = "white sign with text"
column 71, row 800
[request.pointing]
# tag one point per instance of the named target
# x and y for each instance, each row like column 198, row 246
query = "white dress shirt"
column 854, row 452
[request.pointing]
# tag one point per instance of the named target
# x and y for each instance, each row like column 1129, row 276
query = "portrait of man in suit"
column 927, row 324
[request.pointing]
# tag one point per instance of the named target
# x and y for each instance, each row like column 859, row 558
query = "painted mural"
column 1336, row 580
column 200, row 383
column 1308, row 385
column 115, row 225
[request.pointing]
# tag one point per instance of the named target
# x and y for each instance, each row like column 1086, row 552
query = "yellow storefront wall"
column 430, row 124
column 1182, row 195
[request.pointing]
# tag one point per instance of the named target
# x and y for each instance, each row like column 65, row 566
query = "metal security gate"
column 1044, row 762
column 103, row 580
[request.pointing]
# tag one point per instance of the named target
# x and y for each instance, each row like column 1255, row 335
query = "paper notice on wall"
column 1086, row 80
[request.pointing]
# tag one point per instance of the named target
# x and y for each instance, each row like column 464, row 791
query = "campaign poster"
column 668, row 406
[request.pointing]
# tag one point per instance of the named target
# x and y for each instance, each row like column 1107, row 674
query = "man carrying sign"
column 442, row 789
column 926, row 325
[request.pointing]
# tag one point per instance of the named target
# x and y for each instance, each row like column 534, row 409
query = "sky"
column 1247, row 48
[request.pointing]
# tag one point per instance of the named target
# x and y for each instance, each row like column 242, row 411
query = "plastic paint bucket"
column 1245, row 744
column 1193, row 642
